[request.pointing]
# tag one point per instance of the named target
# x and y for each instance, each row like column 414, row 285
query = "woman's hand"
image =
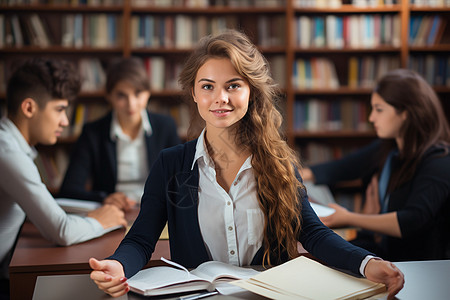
column 372, row 203
column 338, row 219
column 109, row 276
column 109, row 216
column 382, row 271
column 120, row 200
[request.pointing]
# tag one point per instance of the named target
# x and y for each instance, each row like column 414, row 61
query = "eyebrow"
column 228, row 81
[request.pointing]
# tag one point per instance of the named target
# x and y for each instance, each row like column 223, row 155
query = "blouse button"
column 229, row 203
column 232, row 252
column 230, row 228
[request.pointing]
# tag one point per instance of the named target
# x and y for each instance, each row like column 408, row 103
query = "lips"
column 221, row 112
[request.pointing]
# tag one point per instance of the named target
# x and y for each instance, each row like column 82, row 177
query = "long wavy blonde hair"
column 274, row 162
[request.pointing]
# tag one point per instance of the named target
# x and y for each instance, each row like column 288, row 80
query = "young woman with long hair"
column 233, row 194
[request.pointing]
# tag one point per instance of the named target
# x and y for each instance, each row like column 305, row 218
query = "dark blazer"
column 94, row 158
column 171, row 195
column 422, row 204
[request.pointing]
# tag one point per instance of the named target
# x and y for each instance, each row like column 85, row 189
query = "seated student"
column 37, row 98
column 114, row 154
column 406, row 215
column 232, row 195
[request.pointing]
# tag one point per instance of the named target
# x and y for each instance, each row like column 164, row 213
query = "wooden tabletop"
column 35, row 256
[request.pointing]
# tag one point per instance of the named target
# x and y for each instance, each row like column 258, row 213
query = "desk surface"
column 423, row 280
column 35, row 256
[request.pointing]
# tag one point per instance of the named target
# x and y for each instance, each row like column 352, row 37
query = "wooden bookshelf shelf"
column 62, row 8
column 335, row 134
column 347, row 8
column 338, row 91
column 380, row 49
column 60, row 49
column 424, row 9
column 212, row 10
column 434, row 48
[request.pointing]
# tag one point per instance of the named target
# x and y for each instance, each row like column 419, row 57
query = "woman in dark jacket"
column 406, row 215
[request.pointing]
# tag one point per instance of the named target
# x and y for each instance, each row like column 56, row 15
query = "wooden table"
column 423, row 280
column 35, row 256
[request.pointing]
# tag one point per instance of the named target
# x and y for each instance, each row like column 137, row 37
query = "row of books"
column 209, row 3
column 93, row 30
column 431, row 3
column 331, row 115
column 62, row 2
column 163, row 73
column 355, row 31
column 319, row 73
column 81, row 113
column 426, row 30
column 364, row 71
column 317, row 152
column 92, row 73
column 183, row 31
column 180, row 31
column 434, row 68
column 179, row 112
column 338, row 3
column 314, row 73
column 52, row 167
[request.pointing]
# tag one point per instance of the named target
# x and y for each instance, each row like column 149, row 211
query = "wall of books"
column 325, row 54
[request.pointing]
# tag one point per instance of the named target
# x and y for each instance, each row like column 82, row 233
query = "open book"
column 164, row 280
column 304, row 278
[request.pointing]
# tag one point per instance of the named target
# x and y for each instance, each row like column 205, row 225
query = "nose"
column 132, row 102
column 222, row 98
column 64, row 120
column 371, row 117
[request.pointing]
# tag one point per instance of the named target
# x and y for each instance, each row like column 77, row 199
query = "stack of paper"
column 303, row 278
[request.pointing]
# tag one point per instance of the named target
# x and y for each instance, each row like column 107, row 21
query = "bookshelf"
column 330, row 76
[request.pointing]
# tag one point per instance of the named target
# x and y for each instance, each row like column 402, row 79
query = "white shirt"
column 231, row 223
column 132, row 165
column 23, row 193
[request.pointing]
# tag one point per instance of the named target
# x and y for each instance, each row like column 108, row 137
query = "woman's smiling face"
column 221, row 94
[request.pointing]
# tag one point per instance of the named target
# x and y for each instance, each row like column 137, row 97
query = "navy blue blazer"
column 171, row 195
column 94, row 158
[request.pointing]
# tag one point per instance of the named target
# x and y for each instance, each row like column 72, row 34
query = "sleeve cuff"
column 363, row 265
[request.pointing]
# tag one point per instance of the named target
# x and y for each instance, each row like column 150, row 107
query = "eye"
column 207, row 87
column 234, row 86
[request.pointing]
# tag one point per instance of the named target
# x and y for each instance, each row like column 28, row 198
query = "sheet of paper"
column 321, row 210
column 303, row 277
column 77, row 206
column 319, row 193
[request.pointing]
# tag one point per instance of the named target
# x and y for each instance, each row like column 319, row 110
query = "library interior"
column 325, row 55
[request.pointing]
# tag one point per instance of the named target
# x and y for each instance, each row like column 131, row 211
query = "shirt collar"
column 23, row 144
column 116, row 130
column 202, row 152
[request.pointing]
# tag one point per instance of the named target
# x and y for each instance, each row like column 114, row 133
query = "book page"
column 216, row 270
column 165, row 280
column 220, row 274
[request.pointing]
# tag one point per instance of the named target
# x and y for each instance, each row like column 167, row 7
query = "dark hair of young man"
column 42, row 80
